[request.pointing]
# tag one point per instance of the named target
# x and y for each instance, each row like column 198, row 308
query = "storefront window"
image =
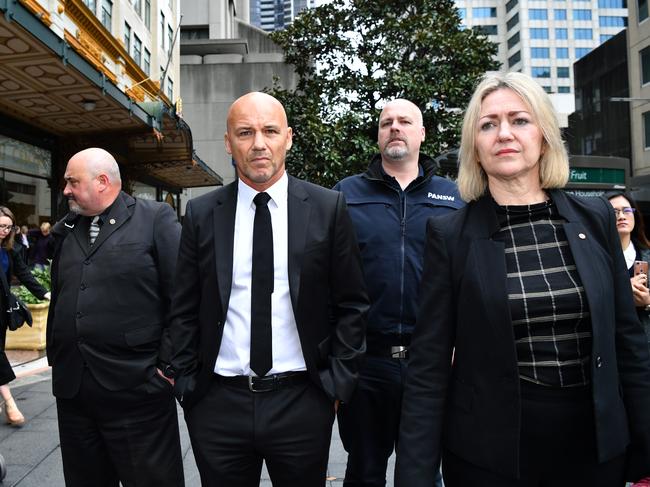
column 24, row 181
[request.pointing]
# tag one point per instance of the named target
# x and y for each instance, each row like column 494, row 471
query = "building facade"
column 600, row 126
column 271, row 15
column 639, row 99
column 544, row 38
column 82, row 73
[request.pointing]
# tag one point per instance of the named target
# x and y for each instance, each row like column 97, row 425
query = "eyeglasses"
column 6, row 227
column 627, row 211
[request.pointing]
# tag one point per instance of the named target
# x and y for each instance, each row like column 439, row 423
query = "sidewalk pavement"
column 32, row 452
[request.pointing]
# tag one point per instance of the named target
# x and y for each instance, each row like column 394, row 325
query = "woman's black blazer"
column 473, row 407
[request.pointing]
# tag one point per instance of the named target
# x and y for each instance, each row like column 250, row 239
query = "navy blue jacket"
column 391, row 231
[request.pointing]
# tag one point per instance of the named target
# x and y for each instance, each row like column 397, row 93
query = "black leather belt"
column 267, row 383
column 390, row 351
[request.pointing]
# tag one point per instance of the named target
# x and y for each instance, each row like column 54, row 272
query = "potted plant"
column 25, row 337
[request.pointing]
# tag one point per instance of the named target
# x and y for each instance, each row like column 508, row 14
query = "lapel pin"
column 582, row 236
column 112, row 222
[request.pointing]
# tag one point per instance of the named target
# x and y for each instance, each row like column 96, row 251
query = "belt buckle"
column 399, row 352
column 251, row 384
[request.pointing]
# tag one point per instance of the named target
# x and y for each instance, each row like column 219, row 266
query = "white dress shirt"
column 234, row 354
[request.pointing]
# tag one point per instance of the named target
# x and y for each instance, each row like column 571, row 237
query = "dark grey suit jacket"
column 325, row 278
column 473, row 407
column 110, row 302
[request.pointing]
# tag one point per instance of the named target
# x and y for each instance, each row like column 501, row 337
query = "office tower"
column 544, row 38
column 273, row 15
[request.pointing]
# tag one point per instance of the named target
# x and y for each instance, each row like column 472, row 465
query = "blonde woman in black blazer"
column 528, row 367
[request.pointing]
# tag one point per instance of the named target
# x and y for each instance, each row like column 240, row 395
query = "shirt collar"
column 277, row 192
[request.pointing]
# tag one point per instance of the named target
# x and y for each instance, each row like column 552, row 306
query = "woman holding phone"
column 636, row 248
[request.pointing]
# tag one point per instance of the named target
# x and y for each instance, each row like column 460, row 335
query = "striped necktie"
column 94, row 230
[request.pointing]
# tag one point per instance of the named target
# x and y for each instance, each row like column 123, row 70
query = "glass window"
column 562, row 52
column 514, row 20
column 539, row 33
column 581, row 34
column 147, row 13
column 560, row 14
column 170, row 38
column 162, row 30
column 564, row 89
column 563, row 72
column 538, row 14
column 462, row 13
column 581, row 14
column 540, row 52
column 582, row 51
column 642, row 9
column 646, row 129
column 547, row 89
column 92, row 5
column 561, row 34
column 127, row 37
column 612, row 3
column 486, row 30
column 137, row 6
column 510, row 5
column 514, row 59
column 605, row 37
column 611, row 21
column 513, row 41
column 137, row 50
column 170, row 89
column 147, row 62
column 541, row 72
column 483, row 12
column 645, row 65
column 107, row 13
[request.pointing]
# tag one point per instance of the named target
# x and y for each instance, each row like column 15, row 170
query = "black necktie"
column 261, row 287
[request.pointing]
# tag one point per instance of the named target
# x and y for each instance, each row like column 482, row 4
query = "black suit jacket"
column 110, row 302
column 473, row 407
column 325, row 279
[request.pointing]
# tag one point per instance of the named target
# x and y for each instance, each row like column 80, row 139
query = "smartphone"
column 640, row 267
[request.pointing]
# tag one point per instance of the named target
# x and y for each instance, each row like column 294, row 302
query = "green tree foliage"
column 353, row 55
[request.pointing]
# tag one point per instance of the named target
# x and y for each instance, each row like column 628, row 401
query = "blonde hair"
column 554, row 162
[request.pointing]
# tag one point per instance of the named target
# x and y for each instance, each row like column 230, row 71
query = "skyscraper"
column 273, row 15
column 544, row 38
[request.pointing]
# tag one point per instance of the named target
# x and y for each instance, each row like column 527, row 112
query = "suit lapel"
column 119, row 214
column 223, row 226
column 487, row 261
column 298, row 212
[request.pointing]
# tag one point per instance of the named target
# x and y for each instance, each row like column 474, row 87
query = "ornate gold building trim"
column 38, row 10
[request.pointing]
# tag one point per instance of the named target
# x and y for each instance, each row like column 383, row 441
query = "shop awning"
column 54, row 85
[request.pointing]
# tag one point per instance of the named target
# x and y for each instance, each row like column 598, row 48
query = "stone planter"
column 30, row 338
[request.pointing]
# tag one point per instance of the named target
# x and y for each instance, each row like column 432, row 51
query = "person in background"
column 635, row 245
column 389, row 205
column 11, row 264
column 526, row 288
column 23, row 240
column 41, row 251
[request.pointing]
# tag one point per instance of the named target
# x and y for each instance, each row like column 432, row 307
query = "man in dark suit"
column 264, row 350
column 107, row 333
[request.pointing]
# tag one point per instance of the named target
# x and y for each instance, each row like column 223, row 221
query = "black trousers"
column 369, row 422
column 128, row 436
column 557, row 449
column 232, row 430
